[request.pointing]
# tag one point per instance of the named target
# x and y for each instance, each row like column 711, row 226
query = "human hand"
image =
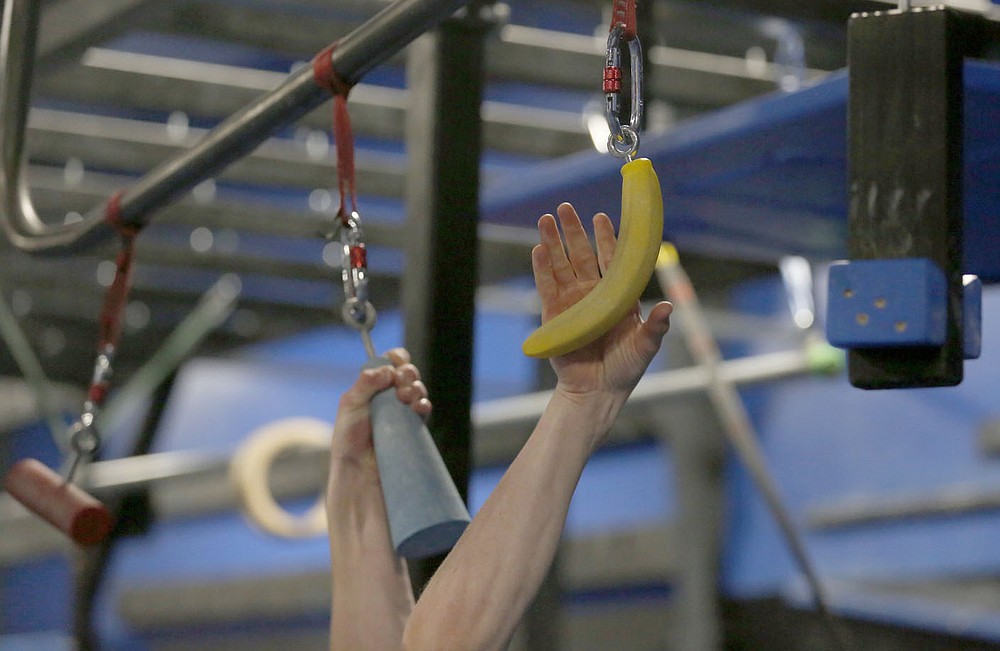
column 566, row 273
column 352, row 431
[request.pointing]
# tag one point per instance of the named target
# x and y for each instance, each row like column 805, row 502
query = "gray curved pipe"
column 358, row 52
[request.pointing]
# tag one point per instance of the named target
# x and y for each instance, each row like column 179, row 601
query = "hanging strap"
column 115, row 299
column 623, row 13
column 326, row 77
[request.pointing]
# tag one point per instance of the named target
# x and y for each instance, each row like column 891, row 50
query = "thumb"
column 655, row 327
column 370, row 382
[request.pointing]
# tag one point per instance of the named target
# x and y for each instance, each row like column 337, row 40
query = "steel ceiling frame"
column 356, row 53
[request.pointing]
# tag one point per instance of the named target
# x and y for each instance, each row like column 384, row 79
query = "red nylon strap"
column 117, row 294
column 344, row 138
column 623, row 12
column 326, row 77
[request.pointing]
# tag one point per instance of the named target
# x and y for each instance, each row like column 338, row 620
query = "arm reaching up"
column 372, row 597
column 476, row 599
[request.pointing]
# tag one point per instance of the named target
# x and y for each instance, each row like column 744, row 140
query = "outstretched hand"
column 352, row 430
column 565, row 273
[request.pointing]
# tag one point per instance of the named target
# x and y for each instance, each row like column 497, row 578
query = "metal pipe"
column 655, row 386
column 356, row 53
column 27, row 361
column 737, row 426
column 488, row 418
column 872, row 510
column 213, row 308
column 174, row 473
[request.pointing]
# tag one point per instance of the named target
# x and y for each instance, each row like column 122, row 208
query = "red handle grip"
column 63, row 505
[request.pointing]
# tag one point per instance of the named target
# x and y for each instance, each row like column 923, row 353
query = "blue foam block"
column 887, row 303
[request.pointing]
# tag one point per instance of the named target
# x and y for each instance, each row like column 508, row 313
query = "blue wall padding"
column 825, row 441
column 887, row 303
column 829, row 443
column 624, row 487
column 36, row 596
column 766, row 177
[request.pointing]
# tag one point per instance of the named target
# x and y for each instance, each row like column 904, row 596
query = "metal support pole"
column 445, row 75
column 132, row 513
column 699, row 453
column 356, row 53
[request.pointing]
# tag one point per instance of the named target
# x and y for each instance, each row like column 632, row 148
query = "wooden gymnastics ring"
column 250, row 466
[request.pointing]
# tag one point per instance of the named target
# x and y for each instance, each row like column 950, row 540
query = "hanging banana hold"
column 626, row 277
column 641, row 217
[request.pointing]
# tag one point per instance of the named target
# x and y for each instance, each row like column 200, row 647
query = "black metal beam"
column 357, row 53
column 445, row 75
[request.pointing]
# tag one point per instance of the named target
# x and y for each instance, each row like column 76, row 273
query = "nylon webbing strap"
column 112, row 311
column 623, row 13
column 326, row 77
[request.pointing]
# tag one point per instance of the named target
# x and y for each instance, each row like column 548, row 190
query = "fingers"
column 398, row 356
column 370, row 381
column 410, row 390
column 402, row 374
column 604, row 234
column 578, row 247
column 559, row 265
column 574, row 260
column 545, row 280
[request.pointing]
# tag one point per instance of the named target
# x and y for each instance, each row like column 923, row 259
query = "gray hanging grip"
column 426, row 513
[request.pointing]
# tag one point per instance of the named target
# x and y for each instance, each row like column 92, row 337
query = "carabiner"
column 357, row 311
column 624, row 139
column 84, row 437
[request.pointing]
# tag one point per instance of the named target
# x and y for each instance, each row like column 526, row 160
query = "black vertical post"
column 905, row 171
column 133, row 515
column 445, row 78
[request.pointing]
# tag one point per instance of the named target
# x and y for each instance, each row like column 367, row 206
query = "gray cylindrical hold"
column 426, row 513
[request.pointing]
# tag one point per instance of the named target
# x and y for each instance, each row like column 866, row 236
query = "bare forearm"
column 479, row 594
column 372, row 597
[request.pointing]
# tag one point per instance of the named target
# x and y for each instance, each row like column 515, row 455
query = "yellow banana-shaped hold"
column 626, row 277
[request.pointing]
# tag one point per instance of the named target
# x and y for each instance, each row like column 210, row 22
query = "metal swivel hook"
column 356, row 311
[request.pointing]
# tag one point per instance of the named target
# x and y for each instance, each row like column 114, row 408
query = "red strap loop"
column 623, row 12
column 326, row 77
column 117, row 294
column 344, row 139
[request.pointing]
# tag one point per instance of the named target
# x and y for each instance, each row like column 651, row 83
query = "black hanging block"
column 905, row 183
